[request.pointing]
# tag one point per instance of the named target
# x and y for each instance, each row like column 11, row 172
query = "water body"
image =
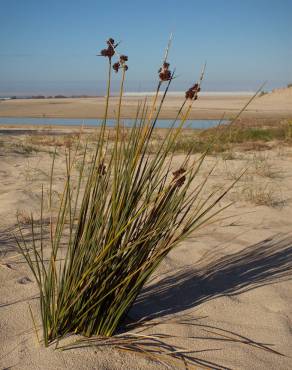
column 199, row 124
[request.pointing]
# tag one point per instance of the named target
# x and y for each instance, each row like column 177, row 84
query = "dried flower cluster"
column 121, row 63
column 101, row 169
column 179, row 177
column 164, row 72
column 192, row 92
column 110, row 50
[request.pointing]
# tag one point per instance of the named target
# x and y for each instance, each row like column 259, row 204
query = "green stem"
column 116, row 159
column 108, row 90
column 103, row 126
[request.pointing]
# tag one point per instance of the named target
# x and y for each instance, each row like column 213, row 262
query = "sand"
column 207, row 107
column 230, row 280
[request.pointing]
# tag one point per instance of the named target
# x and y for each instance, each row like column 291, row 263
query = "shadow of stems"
column 264, row 263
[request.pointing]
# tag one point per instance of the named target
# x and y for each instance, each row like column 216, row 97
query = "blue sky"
column 49, row 46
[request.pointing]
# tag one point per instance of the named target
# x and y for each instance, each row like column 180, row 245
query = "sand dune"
column 283, row 95
column 207, row 107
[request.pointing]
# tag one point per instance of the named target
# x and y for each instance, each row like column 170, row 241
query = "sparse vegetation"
column 66, row 140
column 227, row 137
column 229, row 155
column 263, row 167
column 262, row 195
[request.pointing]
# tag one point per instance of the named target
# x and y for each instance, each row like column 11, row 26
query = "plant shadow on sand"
column 264, row 263
column 7, row 236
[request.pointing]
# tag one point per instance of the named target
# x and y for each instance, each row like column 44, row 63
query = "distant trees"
column 47, row 97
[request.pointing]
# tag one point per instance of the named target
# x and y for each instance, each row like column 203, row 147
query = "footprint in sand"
column 24, row 280
column 7, row 266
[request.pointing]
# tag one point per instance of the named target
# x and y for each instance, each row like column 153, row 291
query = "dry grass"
column 263, row 195
column 229, row 155
column 67, row 140
column 24, row 217
column 264, row 168
column 258, row 193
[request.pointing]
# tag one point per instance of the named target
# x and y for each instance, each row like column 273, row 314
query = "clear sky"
column 49, row 46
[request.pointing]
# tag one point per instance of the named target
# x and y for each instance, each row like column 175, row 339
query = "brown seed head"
column 101, row 169
column 123, row 58
column 165, row 76
column 192, row 92
column 116, row 67
column 178, row 177
column 110, row 51
column 103, row 52
column 164, row 72
column 110, row 42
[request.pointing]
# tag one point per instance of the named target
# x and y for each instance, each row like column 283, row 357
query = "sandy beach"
column 275, row 105
column 225, row 294
column 145, row 185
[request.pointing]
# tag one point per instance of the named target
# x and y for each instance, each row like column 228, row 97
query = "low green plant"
column 119, row 217
column 197, row 144
column 240, row 133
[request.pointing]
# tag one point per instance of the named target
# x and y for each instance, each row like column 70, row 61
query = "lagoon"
column 195, row 124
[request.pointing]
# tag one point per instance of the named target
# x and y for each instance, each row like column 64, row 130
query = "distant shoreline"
column 177, row 94
column 182, row 93
column 207, row 107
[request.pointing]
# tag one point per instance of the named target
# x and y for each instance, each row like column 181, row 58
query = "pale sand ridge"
column 274, row 105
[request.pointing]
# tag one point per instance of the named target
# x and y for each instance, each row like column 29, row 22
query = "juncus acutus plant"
column 122, row 215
